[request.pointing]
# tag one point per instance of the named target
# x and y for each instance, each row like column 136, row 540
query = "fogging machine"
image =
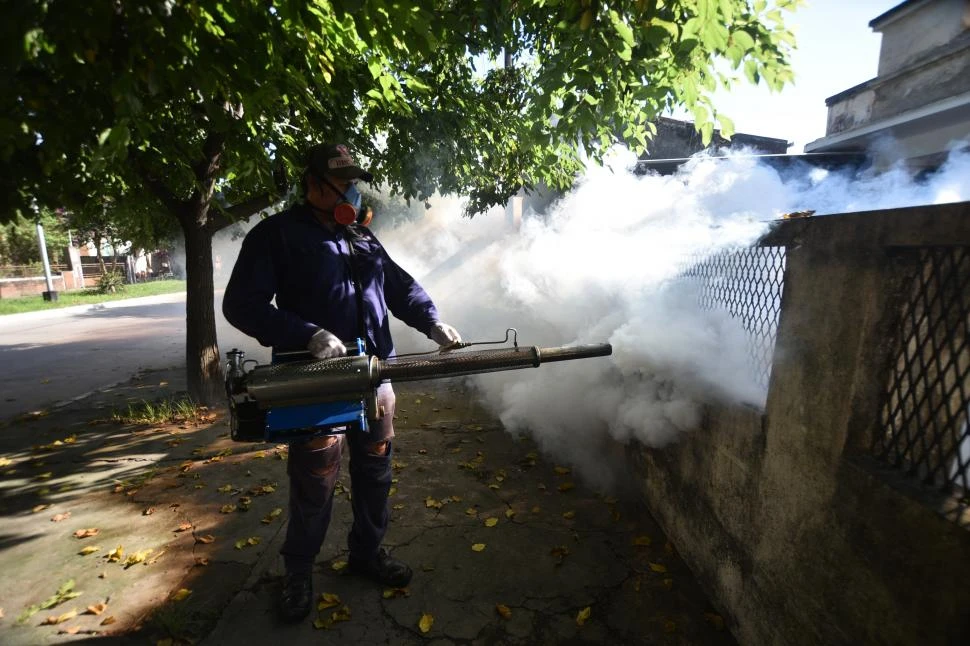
column 296, row 396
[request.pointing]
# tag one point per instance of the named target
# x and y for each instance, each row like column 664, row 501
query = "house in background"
column 917, row 108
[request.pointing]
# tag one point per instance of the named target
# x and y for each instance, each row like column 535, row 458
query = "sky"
column 836, row 51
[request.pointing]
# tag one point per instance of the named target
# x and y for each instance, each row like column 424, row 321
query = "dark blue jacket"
column 306, row 267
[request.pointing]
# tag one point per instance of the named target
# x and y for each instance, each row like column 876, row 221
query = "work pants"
column 313, row 467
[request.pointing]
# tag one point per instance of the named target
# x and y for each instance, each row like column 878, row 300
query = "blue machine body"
column 284, row 423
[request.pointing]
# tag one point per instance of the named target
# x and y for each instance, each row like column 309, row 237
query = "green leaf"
column 707, row 133
column 743, row 39
column 727, row 126
column 622, row 29
column 751, row 71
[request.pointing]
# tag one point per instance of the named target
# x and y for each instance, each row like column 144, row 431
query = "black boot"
column 296, row 597
column 384, row 569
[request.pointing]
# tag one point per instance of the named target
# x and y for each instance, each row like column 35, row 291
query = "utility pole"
column 50, row 294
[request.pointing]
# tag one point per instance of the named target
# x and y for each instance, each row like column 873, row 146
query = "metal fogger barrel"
column 305, row 398
column 329, row 379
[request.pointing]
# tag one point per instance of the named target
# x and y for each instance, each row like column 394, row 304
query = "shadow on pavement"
column 186, row 526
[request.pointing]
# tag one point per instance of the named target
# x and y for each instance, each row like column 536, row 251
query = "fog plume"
column 601, row 264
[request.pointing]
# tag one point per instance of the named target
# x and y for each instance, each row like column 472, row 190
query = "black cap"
column 335, row 160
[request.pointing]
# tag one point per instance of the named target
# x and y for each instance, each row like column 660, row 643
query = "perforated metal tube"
column 330, row 379
column 311, row 381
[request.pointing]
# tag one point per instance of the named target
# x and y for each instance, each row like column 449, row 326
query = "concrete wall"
column 799, row 536
column 887, row 96
column 910, row 32
column 63, row 281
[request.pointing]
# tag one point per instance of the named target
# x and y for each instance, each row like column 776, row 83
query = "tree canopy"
column 203, row 109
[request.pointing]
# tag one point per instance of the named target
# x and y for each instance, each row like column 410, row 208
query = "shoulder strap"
column 358, row 291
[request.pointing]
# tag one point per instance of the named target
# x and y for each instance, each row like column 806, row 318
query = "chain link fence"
column 924, row 418
column 748, row 283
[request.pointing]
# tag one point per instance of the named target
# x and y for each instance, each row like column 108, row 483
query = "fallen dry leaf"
column 425, row 622
column 181, row 594
column 491, row 522
column 509, row 513
column 73, row 630
column 641, row 541
column 471, row 511
column 59, row 619
column 137, row 557
column 566, row 486
column 271, row 516
column 208, row 538
column 569, row 515
column 391, row 593
column 201, row 561
column 327, row 600
column 148, row 512
column 184, row 527
column 56, row 518
column 340, row 614
column 96, row 609
column 337, row 566
column 115, row 555
column 85, row 533
column 657, row 567
column 583, row 616
column 228, row 509
column 478, row 547
column 107, row 621
column 39, row 508
column 90, row 549
column 5, row 462
column 503, row 610
column 563, row 471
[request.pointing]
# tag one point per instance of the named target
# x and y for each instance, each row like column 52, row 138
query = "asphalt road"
column 51, row 357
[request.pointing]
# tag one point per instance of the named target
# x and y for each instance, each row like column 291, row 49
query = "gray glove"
column 324, row 345
column 445, row 335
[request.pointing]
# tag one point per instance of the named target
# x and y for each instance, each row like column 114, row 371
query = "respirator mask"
column 348, row 209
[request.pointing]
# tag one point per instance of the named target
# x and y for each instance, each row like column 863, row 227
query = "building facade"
column 917, row 108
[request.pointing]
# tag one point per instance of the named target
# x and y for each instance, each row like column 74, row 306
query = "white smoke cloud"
column 601, row 266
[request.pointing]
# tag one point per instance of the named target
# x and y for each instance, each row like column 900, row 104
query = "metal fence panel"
column 748, row 283
column 924, row 416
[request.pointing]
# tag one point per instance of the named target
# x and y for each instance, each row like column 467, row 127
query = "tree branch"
column 157, row 188
column 220, row 218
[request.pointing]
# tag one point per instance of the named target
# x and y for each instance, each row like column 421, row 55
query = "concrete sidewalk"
column 507, row 547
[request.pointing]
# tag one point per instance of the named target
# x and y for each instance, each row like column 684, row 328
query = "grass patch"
column 89, row 297
column 161, row 412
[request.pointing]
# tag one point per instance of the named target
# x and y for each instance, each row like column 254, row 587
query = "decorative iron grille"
column 748, row 283
column 924, row 417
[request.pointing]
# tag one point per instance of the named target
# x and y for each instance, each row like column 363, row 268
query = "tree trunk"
column 98, row 239
column 203, row 368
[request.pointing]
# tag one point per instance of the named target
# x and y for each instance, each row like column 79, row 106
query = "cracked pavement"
column 554, row 562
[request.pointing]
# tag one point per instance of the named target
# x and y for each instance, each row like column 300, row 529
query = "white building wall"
column 915, row 30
